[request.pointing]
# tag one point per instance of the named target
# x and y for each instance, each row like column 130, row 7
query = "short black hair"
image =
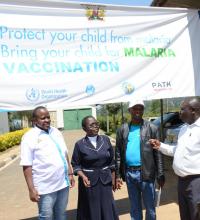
column 85, row 119
column 193, row 102
column 34, row 113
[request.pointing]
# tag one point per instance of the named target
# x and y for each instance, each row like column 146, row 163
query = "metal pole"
column 161, row 122
column 122, row 112
column 107, row 121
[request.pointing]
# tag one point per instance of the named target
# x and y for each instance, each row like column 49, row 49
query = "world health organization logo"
column 32, row 94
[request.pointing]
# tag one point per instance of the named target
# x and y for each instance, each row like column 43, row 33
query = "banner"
column 66, row 55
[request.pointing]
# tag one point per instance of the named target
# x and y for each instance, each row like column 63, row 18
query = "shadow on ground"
column 71, row 214
column 169, row 193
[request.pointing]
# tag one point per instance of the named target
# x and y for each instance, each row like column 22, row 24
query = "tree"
column 155, row 107
column 113, row 109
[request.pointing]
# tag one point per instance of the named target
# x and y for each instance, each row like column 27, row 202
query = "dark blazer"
column 96, row 163
column 152, row 161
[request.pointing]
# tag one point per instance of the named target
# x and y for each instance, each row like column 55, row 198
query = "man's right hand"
column 155, row 143
column 119, row 183
column 34, row 196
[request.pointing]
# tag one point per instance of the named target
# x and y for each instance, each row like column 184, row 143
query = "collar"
column 197, row 122
column 93, row 137
column 41, row 131
column 140, row 124
column 97, row 137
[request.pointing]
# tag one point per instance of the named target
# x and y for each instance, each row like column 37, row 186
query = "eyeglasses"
column 94, row 125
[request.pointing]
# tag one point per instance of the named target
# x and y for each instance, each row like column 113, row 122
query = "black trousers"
column 189, row 197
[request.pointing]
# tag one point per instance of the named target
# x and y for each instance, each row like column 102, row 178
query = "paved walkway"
column 15, row 203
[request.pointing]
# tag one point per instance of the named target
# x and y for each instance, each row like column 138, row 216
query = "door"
column 73, row 118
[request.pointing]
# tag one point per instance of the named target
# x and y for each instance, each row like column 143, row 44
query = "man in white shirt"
column 46, row 166
column 186, row 163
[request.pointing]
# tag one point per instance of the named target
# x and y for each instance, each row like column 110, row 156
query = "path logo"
column 32, row 94
column 95, row 14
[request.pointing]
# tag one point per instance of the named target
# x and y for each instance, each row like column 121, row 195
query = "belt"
column 189, row 176
column 92, row 170
column 132, row 168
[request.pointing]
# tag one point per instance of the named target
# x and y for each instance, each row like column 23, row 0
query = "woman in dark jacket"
column 93, row 162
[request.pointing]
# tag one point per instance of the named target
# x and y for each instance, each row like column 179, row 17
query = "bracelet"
column 70, row 174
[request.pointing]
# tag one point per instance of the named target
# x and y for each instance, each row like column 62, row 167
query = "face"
column 91, row 127
column 43, row 119
column 187, row 114
column 137, row 112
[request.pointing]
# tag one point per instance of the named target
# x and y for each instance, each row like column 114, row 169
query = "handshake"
column 155, row 143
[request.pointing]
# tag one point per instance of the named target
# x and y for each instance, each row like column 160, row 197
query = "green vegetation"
column 11, row 139
column 111, row 116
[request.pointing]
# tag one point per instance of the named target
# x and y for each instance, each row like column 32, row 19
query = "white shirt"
column 187, row 152
column 39, row 150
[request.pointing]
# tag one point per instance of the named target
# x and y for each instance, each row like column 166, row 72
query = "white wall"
column 4, row 126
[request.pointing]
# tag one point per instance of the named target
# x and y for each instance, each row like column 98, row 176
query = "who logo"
column 32, row 94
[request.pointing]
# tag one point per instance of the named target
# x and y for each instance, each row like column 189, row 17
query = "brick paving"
column 15, row 203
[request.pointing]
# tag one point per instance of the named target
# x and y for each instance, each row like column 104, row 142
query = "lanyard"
column 63, row 159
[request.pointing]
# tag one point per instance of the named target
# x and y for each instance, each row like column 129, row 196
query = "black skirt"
column 96, row 202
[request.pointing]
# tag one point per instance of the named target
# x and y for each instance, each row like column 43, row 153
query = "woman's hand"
column 86, row 181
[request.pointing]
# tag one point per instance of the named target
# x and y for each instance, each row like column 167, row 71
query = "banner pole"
column 161, row 124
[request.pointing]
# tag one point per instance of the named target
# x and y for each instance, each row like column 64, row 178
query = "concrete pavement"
column 8, row 156
column 15, row 203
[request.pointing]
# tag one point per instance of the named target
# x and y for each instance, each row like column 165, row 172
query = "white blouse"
column 93, row 140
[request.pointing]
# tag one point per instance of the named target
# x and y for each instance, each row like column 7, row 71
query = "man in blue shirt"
column 137, row 163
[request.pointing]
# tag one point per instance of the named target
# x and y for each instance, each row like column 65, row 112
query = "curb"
column 8, row 160
column 5, row 162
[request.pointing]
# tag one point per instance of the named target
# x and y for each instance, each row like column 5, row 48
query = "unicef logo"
column 90, row 90
column 32, row 94
column 128, row 88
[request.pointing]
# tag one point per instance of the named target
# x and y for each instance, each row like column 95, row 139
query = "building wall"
column 4, row 126
column 59, row 120
column 53, row 115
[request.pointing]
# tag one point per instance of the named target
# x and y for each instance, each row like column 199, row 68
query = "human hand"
column 119, row 183
column 155, row 143
column 86, row 181
column 33, row 195
column 161, row 181
column 71, row 180
column 113, row 181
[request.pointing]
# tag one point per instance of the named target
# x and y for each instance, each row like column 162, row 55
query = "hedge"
column 11, row 139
